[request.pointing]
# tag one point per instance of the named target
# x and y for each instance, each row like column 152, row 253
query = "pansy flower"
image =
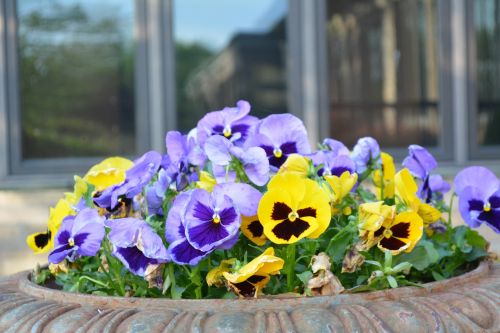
column 299, row 165
column 249, row 280
column 341, row 185
column 42, row 242
column 331, row 164
column 232, row 123
column 136, row 244
column 366, row 153
column 372, row 215
column 200, row 222
column 406, row 193
column 280, row 135
column 400, row 234
column 223, row 154
column 293, row 208
column 478, row 190
column 420, row 163
column 136, row 179
column 79, row 235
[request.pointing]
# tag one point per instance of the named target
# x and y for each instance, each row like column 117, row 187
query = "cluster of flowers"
column 234, row 185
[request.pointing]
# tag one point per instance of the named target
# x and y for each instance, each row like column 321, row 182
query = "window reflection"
column 76, row 77
column 487, row 29
column 383, row 70
column 228, row 50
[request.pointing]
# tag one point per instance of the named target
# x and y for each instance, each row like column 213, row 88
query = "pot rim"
column 285, row 303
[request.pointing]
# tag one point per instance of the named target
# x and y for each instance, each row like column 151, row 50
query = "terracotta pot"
column 469, row 303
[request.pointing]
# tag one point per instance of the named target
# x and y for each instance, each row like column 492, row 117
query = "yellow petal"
column 296, row 164
column 406, row 189
column 40, row 242
column 215, row 275
column 206, row 182
column 252, row 228
column 291, row 183
column 428, row 213
column 265, row 264
column 110, row 171
column 318, row 200
column 57, row 214
column 342, row 186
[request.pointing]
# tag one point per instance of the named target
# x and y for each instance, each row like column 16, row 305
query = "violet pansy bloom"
column 280, row 135
column 200, row 222
column 233, row 123
column 478, row 190
column 336, row 147
column 223, row 152
column 79, row 235
column 156, row 193
column 420, row 163
column 136, row 178
column 136, row 244
column 365, row 153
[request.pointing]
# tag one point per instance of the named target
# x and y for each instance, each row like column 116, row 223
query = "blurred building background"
column 85, row 79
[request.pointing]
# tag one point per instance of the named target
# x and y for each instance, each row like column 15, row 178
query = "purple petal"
column 365, row 150
column 470, row 205
column 205, row 236
column 60, row 253
column 227, row 245
column 478, row 177
column 133, row 259
column 336, row 147
column 124, row 232
column 438, row 184
column 88, row 239
column 153, row 246
column 64, row 232
column 231, row 115
column 182, row 253
column 244, row 197
column 420, row 162
column 217, row 149
column 492, row 219
column 174, row 228
column 256, row 165
column 85, row 217
column 176, row 145
column 223, row 176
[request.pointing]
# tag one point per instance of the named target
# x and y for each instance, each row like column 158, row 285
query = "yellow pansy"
column 206, row 182
column 372, row 216
column 293, row 208
column 215, row 276
column 249, row 280
column 341, row 186
column 252, row 228
column 384, row 179
column 296, row 164
column 110, row 171
column 400, row 234
column 42, row 242
column 406, row 192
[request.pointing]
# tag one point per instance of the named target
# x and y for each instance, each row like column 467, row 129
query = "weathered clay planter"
column 469, row 303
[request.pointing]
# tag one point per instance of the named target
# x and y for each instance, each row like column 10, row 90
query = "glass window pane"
column 487, row 29
column 76, row 68
column 383, row 71
column 228, row 50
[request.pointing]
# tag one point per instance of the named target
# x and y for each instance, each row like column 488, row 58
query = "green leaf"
column 374, row 263
column 437, row 276
column 422, row 256
column 459, row 238
column 392, row 281
column 304, row 277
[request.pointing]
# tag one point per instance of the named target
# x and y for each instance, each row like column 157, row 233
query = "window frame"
column 153, row 66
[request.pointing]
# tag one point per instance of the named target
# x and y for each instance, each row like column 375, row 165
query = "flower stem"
column 290, row 270
column 342, row 232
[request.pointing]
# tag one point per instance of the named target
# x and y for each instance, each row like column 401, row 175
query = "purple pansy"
column 280, row 135
column 156, row 192
column 365, row 152
column 200, row 222
column 478, row 190
column 233, row 123
column 136, row 179
column 136, row 244
column 336, row 147
column 420, row 163
column 222, row 152
column 79, row 235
